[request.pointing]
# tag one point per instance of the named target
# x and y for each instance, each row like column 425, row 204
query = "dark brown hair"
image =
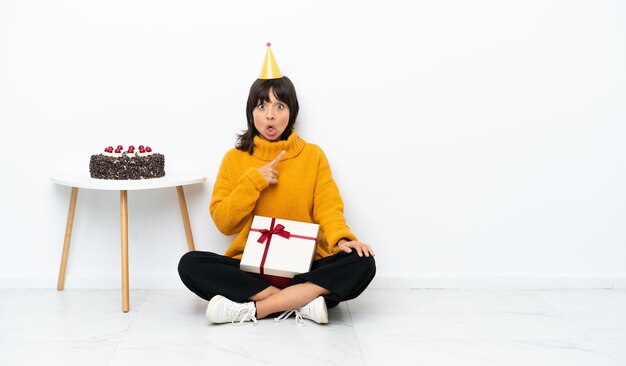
column 260, row 91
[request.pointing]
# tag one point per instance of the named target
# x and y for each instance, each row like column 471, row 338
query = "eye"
column 280, row 106
column 261, row 106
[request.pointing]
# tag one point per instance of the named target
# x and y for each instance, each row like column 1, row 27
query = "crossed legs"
column 273, row 300
column 336, row 278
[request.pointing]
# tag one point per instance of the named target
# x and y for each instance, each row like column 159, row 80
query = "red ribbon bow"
column 267, row 234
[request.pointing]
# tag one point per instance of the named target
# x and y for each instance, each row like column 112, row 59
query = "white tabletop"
column 85, row 181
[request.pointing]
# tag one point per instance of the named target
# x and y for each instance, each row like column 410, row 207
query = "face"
column 271, row 118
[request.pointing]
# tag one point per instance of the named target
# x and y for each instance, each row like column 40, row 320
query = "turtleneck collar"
column 268, row 150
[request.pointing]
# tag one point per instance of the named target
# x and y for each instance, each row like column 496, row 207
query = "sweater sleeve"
column 231, row 206
column 328, row 206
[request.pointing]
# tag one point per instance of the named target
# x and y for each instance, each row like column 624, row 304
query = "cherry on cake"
column 139, row 163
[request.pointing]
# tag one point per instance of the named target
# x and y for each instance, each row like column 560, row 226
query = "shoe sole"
column 209, row 309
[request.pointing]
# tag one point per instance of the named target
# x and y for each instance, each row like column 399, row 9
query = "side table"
column 84, row 181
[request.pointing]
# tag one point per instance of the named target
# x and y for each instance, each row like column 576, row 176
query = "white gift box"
column 279, row 247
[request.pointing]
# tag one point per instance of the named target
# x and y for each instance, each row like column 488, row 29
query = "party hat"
column 270, row 69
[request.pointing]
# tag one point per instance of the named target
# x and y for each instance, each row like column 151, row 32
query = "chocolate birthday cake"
column 130, row 164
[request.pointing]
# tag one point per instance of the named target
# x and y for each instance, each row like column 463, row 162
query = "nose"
column 269, row 113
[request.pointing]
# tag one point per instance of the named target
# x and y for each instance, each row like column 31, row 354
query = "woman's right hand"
column 268, row 172
column 362, row 249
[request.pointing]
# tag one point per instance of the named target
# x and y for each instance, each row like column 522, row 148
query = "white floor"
column 382, row 327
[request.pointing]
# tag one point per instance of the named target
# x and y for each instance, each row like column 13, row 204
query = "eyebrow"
column 259, row 101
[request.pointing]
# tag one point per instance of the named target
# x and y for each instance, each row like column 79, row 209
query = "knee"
column 365, row 265
column 186, row 263
column 369, row 265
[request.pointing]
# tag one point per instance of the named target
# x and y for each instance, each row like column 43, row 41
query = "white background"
column 475, row 143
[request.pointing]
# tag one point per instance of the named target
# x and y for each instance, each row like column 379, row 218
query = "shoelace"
column 286, row 314
column 246, row 314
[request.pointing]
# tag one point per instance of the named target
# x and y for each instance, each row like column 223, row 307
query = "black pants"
column 207, row 274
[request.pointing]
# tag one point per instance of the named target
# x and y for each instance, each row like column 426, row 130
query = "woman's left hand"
column 361, row 248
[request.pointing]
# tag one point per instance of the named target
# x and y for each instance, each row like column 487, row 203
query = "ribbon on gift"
column 267, row 234
column 266, row 237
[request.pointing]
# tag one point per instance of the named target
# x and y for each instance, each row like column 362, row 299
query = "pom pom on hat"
column 270, row 69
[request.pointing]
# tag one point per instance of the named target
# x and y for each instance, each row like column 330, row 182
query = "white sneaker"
column 314, row 310
column 222, row 310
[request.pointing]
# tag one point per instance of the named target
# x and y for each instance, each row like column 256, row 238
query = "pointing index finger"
column 277, row 159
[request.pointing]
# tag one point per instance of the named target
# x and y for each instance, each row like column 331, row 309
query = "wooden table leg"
column 68, row 237
column 124, row 221
column 183, row 211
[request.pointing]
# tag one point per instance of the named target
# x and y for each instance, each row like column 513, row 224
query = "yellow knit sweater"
column 305, row 192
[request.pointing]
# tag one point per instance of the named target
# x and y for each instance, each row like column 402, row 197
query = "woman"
column 273, row 172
